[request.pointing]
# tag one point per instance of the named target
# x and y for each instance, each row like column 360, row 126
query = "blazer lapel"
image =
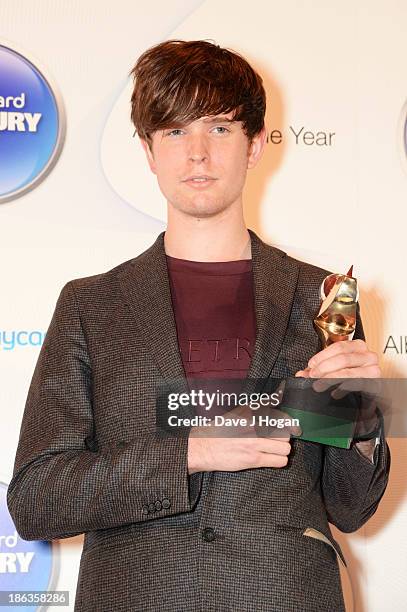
column 146, row 286
column 275, row 278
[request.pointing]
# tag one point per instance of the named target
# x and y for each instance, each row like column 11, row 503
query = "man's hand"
column 343, row 360
column 241, row 448
column 351, row 361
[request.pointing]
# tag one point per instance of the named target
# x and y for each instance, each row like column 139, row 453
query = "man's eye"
column 222, row 129
column 175, row 132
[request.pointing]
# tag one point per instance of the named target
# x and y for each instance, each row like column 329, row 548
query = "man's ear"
column 256, row 148
column 149, row 154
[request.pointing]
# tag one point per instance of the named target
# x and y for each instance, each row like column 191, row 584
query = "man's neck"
column 207, row 239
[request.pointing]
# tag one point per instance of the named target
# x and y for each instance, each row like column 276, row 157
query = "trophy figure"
column 324, row 418
column 336, row 319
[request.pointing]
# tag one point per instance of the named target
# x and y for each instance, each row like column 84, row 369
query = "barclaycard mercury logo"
column 25, row 565
column 17, row 121
column 13, row 338
column 32, row 124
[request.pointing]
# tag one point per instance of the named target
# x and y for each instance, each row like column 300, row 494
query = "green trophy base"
column 329, row 430
column 322, row 419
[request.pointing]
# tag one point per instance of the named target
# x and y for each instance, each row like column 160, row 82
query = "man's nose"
column 199, row 157
column 198, row 150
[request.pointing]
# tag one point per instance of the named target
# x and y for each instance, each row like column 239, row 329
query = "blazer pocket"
column 311, row 532
column 318, row 534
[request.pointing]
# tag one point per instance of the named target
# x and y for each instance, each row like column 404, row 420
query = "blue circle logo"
column 32, row 125
column 24, row 565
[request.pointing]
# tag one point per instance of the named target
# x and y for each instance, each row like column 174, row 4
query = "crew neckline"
column 218, row 268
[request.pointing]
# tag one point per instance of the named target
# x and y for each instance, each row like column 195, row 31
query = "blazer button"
column 166, row 503
column 145, row 510
column 151, row 507
column 208, row 534
column 158, row 505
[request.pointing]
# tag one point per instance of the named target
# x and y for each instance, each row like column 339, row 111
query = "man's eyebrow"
column 220, row 119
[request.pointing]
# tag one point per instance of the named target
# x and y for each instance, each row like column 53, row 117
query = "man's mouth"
column 199, row 181
column 200, row 177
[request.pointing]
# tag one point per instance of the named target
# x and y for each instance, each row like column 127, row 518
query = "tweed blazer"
column 89, row 459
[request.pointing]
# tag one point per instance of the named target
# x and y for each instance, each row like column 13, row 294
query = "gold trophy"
column 322, row 418
column 336, row 319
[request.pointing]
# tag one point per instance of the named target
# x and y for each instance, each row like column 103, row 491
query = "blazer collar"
column 145, row 285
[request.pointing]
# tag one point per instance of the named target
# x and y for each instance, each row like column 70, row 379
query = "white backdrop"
column 333, row 68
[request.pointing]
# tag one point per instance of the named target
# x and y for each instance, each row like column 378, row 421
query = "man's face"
column 201, row 167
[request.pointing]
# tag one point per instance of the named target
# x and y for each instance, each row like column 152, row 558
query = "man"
column 185, row 523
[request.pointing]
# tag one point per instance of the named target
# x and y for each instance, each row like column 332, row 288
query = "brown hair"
column 176, row 82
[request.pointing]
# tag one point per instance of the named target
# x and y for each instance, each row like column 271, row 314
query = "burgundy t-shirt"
column 213, row 305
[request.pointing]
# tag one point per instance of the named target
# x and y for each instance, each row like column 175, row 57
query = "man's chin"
column 201, row 209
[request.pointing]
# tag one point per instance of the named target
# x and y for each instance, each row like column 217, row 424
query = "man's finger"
column 337, row 348
column 295, row 430
column 276, row 414
column 370, row 387
column 343, row 361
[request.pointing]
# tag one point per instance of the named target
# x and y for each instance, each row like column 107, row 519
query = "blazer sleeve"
column 62, row 485
column 352, row 486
